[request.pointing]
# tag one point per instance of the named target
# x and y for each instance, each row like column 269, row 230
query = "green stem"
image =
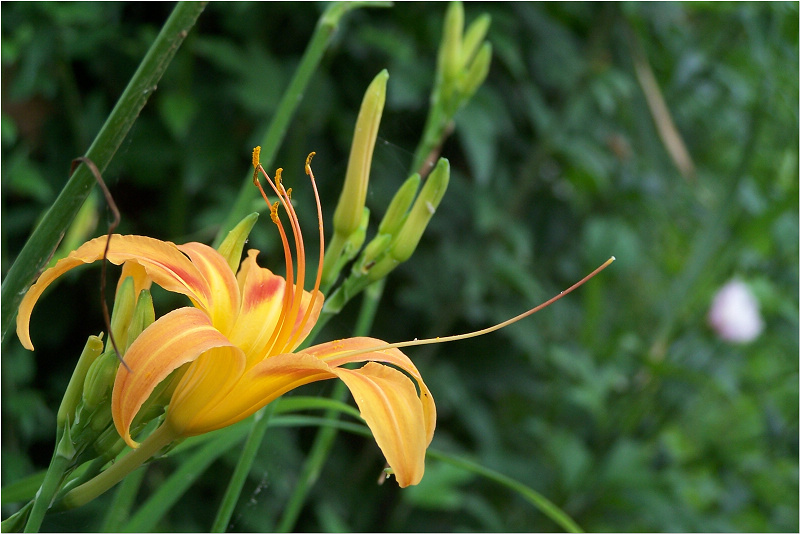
column 84, row 493
column 120, row 508
column 326, row 27
column 45, row 238
column 437, row 129
column 323, row 441
column 51, row 484
column 243, row 466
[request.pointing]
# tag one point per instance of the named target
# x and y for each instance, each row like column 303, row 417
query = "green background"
column 618, row 403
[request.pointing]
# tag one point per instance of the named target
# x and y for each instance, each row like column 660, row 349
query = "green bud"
column 72, row 396
column 422, row 211
column 398, row 207
column 372, row 253
column 99, row 380
column 233, row 244
column 124, row 302
column 108, row 444
column 347, row 216
column 477, row 72
column 101, row 417
column 143, row 316
column 474, row 37
column 406, row 240
column 450, row 61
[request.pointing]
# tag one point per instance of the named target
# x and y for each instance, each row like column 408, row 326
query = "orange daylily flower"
column 237, row 341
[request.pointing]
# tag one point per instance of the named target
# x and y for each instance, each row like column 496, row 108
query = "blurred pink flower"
column 734, row 313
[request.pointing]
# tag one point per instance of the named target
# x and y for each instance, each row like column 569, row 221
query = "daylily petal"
column 224, row 290
column 140, row 279
column 339, row 352
column 176, row 338
column 261, row 305
column 260, row 308
column 162, row 261
column 389, row 404
column 208, row 381
column 259, row 386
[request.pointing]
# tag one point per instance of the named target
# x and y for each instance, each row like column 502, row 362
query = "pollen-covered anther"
column 273, row 212
column 308, row 162
column 256, row 157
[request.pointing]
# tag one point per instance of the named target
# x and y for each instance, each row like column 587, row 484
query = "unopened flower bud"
column 407, row 238
column 99, row 380
column 474, row 36
column 347, row 216
column 477, row 72
column 233, row 244
column 124, row 303
column 450, row 61
column 372, row 253
column 398, row 208
column 422, row 211
column 72, row 396
column 108, row 444
column 143, row 316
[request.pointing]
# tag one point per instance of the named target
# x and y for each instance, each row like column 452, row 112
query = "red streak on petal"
column 268, row 289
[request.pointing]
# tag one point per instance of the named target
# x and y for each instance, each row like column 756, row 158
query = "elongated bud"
column 474, row 36
column 348, row 212
column 233, row 244
column 396, row 215
column 477, row 72
column 372, row 252
column 398, row 207
column 72, row 396
column 422, row 211
column 124, row 303
column 108, row 444
column 450, row 61
column 143, row 316
column 99, row 379
column 407, row 238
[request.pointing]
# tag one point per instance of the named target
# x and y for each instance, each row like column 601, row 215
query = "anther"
column 256, row 157
column 308, row 163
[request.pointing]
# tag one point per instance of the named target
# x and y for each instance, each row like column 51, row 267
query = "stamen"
column 287, row 293
column 291, row 316
column 293, row 292
column 314, row 292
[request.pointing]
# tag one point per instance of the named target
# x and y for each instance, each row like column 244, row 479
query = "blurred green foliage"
column 618, row 403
